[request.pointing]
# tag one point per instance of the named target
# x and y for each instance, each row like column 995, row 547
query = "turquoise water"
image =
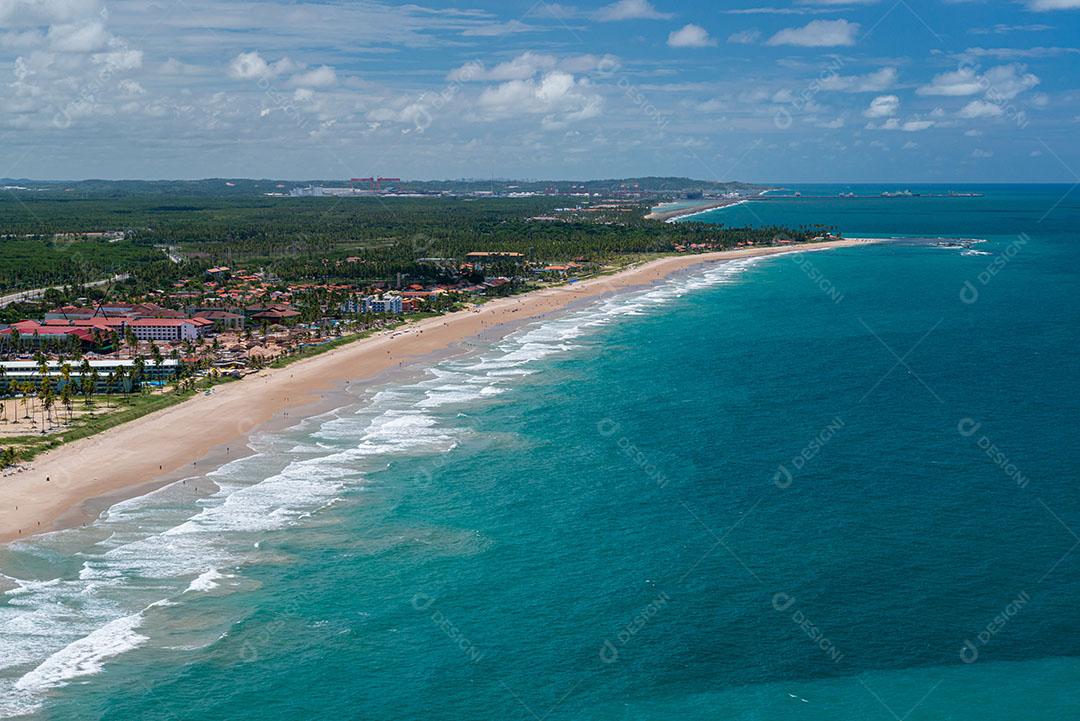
column 762, row 490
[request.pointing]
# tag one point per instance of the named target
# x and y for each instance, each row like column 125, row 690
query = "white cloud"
column 630, row 10
column 690, row 36
column 1003, row 82
column 909, row 145
column 1037, row 51
column 120, row 59
column 973, row 133
column 955, row 83
column 252, row 66
column 914, row 126
column 46, row 12
column 78, row 38
column 130, row 89
column 818, row 34
column 1047, row 5
column 980, row 109
column 1003, row 29
column 883, row 106
column 495, row 30
column 980, row 153
column 557, row 96
column 320, row 77
column 744, row 37
column 715, row 105
column 873, row 82
column 528, row 64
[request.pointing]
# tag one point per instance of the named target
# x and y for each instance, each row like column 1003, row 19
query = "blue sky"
column 792, row 90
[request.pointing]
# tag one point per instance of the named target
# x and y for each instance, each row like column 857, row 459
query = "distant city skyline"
column 812, row 90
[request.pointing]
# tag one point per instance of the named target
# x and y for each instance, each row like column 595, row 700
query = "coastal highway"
column 35, row 293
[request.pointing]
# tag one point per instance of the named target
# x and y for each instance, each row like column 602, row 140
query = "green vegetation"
column 302, row 239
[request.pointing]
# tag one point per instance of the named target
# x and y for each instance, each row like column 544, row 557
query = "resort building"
column 222, row 319
column 157, row 329
column 23, row 372
column 386, row 304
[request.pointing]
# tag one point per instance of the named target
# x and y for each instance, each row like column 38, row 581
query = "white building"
column 386, row 304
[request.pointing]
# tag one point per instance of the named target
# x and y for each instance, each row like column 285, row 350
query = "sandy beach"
column 124, row 460
column 686, row 211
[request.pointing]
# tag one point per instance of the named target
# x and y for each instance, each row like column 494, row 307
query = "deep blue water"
column 760, row 491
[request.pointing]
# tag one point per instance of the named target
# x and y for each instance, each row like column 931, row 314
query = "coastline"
column 65, row 485
column 702, row 211
column 668, row 216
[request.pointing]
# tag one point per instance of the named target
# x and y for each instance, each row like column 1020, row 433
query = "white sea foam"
column 85, row 656
column 207, row 581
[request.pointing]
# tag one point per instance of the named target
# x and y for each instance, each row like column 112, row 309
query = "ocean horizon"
column 818, row 485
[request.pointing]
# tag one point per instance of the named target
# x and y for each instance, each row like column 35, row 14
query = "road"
column 34, row 294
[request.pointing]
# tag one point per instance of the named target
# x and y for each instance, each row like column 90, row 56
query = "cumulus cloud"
column 1003, row 82
column 690, row 36
column 69, row 65
column 953, row 83
column 252, row 66
column 630, row 10
column 557, row 96
column 980, row 109
column 818, row 34
column 980, row 153
column 883, row 106
column 914, row 126
column 78, row 37
column 873, row 82
column 320, row 77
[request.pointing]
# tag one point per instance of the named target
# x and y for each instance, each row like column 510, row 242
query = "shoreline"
column 668, row 216
column 702, row 211
column 75, row 482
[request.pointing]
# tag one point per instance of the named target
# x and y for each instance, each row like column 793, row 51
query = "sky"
column 755, row 90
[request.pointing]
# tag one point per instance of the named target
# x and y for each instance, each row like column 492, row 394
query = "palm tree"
column 3, row 396
column 120, row 377
column 110, row 385
column 67, row 397
column 85, row 382
column 138, row 371
column 47, row 401
column 26, row 389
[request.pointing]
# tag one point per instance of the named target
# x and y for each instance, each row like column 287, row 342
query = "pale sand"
column 123, row 460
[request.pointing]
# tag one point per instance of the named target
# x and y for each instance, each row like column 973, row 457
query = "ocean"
column 825, row 485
